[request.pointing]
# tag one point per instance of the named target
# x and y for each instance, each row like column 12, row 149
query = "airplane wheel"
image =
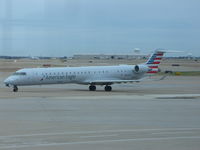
column 108, row 88
column 92, row 88
column 15, row 88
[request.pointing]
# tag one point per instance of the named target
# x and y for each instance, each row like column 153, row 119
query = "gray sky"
column 67, row 27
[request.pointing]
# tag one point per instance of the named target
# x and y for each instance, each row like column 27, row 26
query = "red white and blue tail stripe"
column 154, row 61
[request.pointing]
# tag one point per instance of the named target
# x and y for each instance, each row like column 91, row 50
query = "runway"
column 147, row 115
column 123, row 139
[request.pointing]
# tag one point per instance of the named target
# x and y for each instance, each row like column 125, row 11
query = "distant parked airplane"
column 90, row 75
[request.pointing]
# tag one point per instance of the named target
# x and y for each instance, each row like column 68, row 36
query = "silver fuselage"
column 79, row 75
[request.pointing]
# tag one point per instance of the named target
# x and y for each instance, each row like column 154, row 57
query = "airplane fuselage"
column 91, row 75
column 79, row 75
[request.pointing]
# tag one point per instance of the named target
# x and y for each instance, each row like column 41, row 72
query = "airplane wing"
column 116, row 81
column 109, row 82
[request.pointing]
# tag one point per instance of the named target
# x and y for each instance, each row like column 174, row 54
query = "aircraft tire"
column 92, row 88
column 108, row 88
column 15, row 88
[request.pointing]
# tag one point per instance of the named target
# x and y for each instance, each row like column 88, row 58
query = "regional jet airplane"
column 90, row 75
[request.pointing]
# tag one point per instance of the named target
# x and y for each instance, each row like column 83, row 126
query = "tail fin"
column 154, row 61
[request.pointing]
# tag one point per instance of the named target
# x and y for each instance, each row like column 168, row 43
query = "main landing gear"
column 92, row 88
column 15, row 88
column 107, row 88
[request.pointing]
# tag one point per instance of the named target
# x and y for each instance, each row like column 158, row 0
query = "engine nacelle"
column 141, row 69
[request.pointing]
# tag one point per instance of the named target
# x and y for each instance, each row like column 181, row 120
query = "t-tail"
column 154, row 61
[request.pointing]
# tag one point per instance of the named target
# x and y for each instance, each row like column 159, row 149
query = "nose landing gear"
column 15, row 88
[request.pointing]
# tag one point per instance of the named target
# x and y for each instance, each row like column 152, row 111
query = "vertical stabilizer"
column 154, row 61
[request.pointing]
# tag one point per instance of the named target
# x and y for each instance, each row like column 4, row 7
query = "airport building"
column 108, row 56
column 135, row 55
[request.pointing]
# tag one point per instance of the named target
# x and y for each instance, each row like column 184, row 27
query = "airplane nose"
column 8, row 81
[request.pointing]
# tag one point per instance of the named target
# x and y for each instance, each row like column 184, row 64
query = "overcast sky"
column 67, row 27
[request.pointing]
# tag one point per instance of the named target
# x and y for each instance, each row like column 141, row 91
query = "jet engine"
column 141, row 69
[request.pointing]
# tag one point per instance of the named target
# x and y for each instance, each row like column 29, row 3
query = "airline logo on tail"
column 154, row 61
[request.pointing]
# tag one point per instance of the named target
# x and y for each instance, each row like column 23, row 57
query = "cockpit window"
column 19, row 73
